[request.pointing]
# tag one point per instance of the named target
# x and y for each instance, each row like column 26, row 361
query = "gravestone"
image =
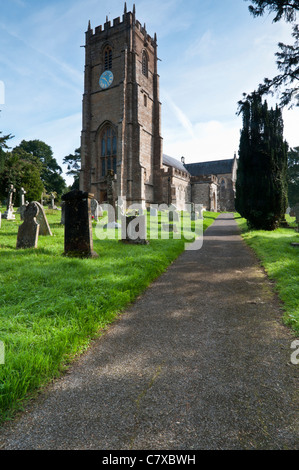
column 62, row 219
column 22, row 196
column 22, row 203
column 296, row 214
column 78, row 228
column 29, row 230
column 169, row 228
column 22, row 210
column 52, row 205
column 94, row 207
column 134, row 230
column 0, row 219
column 44, row 228
column 8, row 214
column 152, row 211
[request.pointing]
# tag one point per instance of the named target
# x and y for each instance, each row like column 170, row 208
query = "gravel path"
column 200, row 361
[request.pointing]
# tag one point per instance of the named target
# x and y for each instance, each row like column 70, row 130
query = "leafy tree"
column 21, row 171
column 288, row 55
column 3, row 145
column 51, row 171
column 293, row 176
column 4, row 139
column 261, row 187
column 73, row 162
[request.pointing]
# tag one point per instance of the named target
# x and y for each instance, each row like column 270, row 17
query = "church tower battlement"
column 121, row 119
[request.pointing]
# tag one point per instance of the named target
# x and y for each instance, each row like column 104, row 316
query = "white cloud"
column 202, row 47
column 291, row 126
column 213, row 140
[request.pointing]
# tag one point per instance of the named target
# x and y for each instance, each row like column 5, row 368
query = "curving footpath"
column 200, row 361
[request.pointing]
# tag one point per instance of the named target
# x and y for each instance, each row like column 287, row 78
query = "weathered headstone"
column 169, row 228
column 22, row 196
column 152, row 211
column 8, row 214
column 52, row 205
column 29, row 230
column 44, row 228
column 22, row 203
column 94, row 207
column 62, row 220
column 78, row 229
column 134, row 230
column 22, row 210
column 296, row 212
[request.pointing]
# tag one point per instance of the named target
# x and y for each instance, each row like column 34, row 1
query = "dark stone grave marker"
column 77, row 225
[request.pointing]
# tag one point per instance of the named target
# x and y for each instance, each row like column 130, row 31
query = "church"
column 121, row 142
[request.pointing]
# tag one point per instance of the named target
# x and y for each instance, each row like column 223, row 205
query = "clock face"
column 106, row 79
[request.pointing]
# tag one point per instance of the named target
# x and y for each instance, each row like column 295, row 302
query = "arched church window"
column 108, row 150
column 144, row 64
column 108, row 58
column 222, row 184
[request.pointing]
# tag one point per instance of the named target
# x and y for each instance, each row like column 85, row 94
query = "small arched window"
column 108, row 150
column 108, row 58
column 144, row 64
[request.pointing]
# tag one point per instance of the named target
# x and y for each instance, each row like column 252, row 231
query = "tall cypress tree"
column 261, row 187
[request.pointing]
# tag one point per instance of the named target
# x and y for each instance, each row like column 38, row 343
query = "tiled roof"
column 170, row 161
column 216, row 167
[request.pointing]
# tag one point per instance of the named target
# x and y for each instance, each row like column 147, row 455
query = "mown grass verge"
column 52, row 306
column 281, row 263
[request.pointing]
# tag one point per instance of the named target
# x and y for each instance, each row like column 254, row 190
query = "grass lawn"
column 281, row 262
column 52, row 306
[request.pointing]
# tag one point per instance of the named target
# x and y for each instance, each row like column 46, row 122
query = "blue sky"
column 211, row 52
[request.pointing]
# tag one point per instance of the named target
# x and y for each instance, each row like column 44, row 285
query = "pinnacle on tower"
column 134, row 9
column 125, row 9
column 89, row 25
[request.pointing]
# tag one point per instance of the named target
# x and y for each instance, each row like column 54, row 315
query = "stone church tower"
column 121, row 131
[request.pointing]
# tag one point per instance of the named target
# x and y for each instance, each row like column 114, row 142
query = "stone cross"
column 22, row 197
column 10, row 190
column 8, row 214
column 22, row 203
column 78, row 228
column 52, row 205
column 29, row 230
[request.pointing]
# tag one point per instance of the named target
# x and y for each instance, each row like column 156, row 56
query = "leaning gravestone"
column 44, row 228
column 28, row 231
column 78, row 229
